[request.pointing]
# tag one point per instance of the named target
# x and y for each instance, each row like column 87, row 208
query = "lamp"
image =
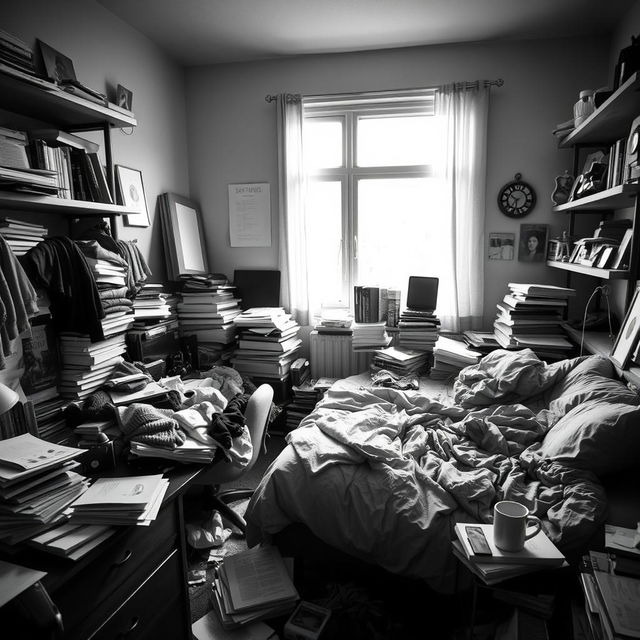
column 8, row 397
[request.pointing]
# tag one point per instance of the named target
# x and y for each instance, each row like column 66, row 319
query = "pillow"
column 591, row 379
column 602, row 437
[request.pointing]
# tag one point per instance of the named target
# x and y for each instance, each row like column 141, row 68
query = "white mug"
column 510, row 521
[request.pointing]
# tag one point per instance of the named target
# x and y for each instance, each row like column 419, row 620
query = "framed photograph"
column 502, row 246
column 56, row 65
column 628, row 335
column 131, row 195
column 533, row 242
column 183, row 237
column 124, row 97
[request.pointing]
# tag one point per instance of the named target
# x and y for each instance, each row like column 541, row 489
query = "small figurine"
column 562, row 191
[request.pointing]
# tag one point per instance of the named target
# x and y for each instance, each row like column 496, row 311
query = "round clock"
column 516, row 198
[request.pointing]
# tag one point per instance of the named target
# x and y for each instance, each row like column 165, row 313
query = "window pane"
column 322, row 144
column 396, row 140
column 324, row 244
column 400, row 231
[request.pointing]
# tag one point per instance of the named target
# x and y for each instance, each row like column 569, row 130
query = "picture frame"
column 532, row 246
column 131, row 195
column 627, row 337
column 501, row 246
column 57, row 66
column 124, row 97
column 183, row 237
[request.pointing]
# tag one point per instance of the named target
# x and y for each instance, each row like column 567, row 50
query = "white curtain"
column 464, row 113
column 291, row 196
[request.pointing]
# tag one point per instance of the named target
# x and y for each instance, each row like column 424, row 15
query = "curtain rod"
column 461, row 85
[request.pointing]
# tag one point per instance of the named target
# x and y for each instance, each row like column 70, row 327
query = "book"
column 59, row 137
column 538, row 551
column 541, row 290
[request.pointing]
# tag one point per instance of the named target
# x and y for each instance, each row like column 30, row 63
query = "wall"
column 105, row 51
column 232, row 135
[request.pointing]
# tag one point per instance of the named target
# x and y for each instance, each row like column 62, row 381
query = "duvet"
column 384, row 474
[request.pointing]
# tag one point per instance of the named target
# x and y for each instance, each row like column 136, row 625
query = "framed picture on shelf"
column 56, row 65
column 131, row 195
column 628, row 335
column 124, row 97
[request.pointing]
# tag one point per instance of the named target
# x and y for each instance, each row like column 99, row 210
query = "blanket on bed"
column 384, row 474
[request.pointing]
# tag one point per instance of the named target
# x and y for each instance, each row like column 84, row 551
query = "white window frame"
column 349, row 109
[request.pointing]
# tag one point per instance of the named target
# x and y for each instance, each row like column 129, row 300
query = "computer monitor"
column 422, row 293
column 257, row 287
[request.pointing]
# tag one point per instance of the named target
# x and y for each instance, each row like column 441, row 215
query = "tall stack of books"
column 235, row 597
column 150, row 306
column 305, row 397
column 38, row 482
column 450, row 357
column 370, row 336
column 611, row 586
column 268, row 344
column 531, row 316
column 418, row 329
column 21, row 236
column 207, row 307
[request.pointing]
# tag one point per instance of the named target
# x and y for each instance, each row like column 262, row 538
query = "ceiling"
column 197, row 32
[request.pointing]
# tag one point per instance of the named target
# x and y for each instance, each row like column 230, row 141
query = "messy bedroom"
column 319, row 320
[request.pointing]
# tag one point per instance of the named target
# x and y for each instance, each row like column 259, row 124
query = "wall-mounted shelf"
column 605, row 274
column 59, row 206
column 610, row 121
column 45, row 101
column 618, row 197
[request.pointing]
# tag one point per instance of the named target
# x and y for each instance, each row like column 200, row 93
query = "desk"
column 134, row 585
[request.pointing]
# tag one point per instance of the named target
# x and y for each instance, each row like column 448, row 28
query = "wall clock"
column 516, row 198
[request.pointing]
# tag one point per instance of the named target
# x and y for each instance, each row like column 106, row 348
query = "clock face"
column 516, row 199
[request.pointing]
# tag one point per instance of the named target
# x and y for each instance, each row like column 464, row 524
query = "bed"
column 383, row 474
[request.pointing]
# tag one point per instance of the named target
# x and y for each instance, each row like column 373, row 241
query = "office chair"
column 257, row 417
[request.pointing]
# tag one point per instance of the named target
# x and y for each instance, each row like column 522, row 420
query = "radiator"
column 332, row 356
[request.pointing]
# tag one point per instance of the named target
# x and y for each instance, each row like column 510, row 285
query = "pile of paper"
column 37, row 485
column 450, row 357
column 121, row 501
column 253, row 585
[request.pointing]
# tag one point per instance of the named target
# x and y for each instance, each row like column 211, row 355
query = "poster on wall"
column 250, row 215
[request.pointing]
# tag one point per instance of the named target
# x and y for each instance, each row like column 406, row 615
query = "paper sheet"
column 250, row 215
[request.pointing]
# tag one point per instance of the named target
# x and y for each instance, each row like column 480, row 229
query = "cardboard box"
column 306, row 622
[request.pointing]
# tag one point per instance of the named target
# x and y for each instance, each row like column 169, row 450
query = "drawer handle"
column 127, row 554
column 134, row 623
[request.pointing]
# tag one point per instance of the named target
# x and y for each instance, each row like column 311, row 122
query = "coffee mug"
column 510, row 522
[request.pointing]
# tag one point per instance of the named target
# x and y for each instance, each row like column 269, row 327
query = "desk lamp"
column 8, row 397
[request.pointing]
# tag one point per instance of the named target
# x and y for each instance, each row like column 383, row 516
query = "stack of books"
column 87, row 365
column 611, row 595
column 252, row 585
column 400, row 361
column 268, row 343
column 305, row 397
column 334, row 322
column 71, row 541
column 37, row 181
column 450, row 357
column 207, row 307
column 16, row 54
column 21, row 236
column 418, row 329
column 482, row 341
column 130, row 500
column 531, row 316
column 37, row 484
column 370, row 336
column 539, row 553
column 150, row 306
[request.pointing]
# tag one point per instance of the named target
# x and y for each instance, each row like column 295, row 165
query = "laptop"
column 422, row 293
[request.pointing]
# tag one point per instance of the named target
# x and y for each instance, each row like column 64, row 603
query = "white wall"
column 232, row 135
column 105, row 51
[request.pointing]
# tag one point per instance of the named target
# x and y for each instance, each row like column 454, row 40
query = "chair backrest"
column 257, row 417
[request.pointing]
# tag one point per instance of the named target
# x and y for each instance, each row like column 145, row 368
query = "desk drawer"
column 155, row 610
column 103, row 585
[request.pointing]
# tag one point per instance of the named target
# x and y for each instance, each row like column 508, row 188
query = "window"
column 373, row 198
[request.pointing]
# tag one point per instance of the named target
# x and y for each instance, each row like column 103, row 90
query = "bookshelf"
column 22, row 96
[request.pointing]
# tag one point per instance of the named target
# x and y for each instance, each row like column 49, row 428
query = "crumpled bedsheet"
column 384, row 474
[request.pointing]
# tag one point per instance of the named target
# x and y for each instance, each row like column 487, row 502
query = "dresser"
column 134, row 585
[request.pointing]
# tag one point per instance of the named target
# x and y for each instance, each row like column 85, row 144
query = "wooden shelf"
column 612, row 120
column 618, row 197
column 60, row 206
column 45, row 101
column 605, row 274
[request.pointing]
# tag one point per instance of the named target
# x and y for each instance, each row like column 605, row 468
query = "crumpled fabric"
column 210, row 534
column 385, row 378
